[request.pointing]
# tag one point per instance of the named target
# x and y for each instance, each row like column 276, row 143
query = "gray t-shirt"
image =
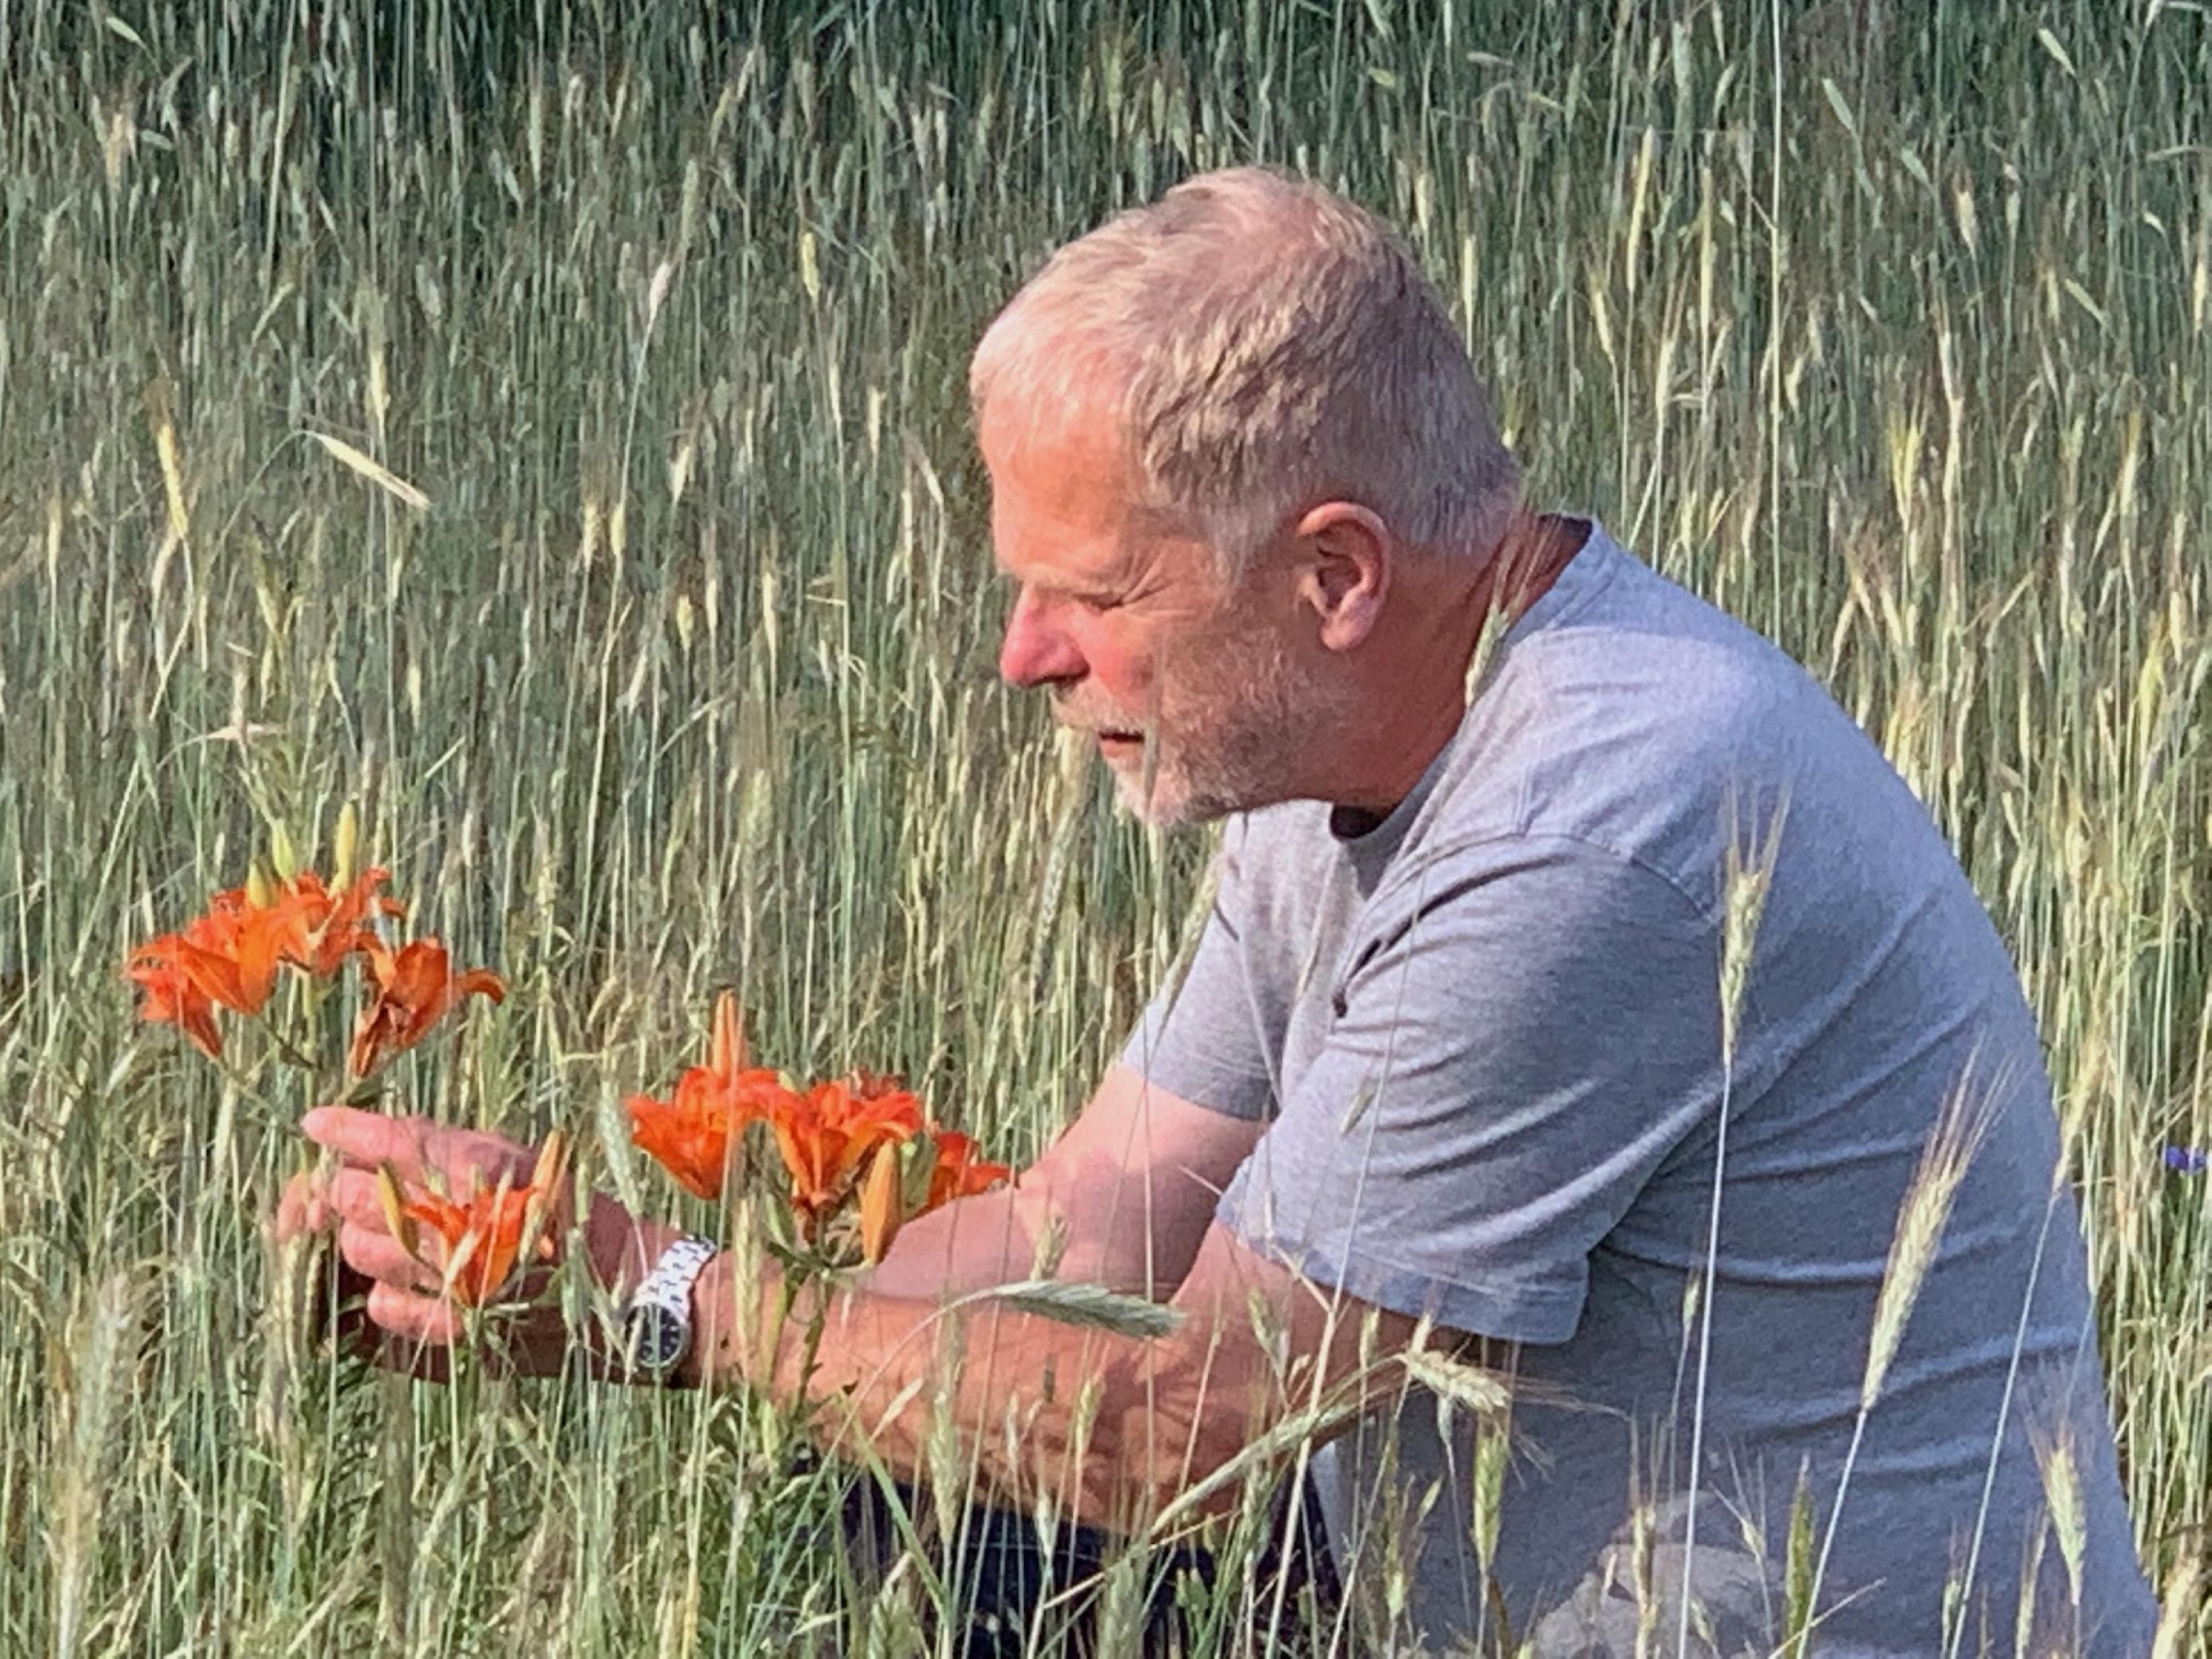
column 1486, row 1037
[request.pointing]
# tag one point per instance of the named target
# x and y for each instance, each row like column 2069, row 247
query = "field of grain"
column 646, row 608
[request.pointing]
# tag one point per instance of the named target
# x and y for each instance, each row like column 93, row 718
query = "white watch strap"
column 666, row 1292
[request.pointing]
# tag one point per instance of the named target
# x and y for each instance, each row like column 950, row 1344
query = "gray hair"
column 1272, row 346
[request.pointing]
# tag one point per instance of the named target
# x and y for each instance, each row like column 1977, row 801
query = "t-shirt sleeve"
column 1524, row 1030
column 1201, row 1037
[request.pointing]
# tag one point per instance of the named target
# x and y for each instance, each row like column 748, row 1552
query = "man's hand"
column 406, row 1297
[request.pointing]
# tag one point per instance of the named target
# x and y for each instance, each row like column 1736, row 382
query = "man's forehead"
column 1062, row 492
column 1078, row 435
column 1055, row 554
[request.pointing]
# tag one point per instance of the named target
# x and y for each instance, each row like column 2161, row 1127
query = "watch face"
column 657, row 1337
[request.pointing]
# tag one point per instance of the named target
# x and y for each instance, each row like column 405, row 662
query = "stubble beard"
column 1227, row 738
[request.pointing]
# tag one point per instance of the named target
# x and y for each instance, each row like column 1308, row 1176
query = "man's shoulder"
column 1641, row 654
column 1631, row 718
column 1649, row 724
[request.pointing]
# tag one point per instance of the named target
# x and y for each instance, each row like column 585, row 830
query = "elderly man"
column 1581, row 1000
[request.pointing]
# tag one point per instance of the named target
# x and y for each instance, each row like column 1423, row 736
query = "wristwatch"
column 657, row 1321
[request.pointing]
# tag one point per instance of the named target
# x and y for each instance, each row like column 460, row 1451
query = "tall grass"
column 1884, row 326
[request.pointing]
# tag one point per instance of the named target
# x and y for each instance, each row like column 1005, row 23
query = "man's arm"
column 1115, row 1427
column 1132, row 1183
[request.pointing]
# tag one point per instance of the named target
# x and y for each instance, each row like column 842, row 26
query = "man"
column 1582, row 1000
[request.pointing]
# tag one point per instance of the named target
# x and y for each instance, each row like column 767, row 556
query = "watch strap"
column 664, row 1297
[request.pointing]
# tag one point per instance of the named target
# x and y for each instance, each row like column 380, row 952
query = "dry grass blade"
column 1961, row 1123
column 2179, row 1609
column 1263, row 1453
column 100, row 1364
column 1797, row 1569
column 1750, row 854
column 372, row 470
column 2059, row 1466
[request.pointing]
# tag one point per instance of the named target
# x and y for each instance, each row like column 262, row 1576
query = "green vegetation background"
column 1885, row 326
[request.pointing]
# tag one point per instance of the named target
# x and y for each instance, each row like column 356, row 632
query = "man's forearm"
column 1089, row 1223
column 970, row 1244
column 1108, row 1425
column 1115, row 1429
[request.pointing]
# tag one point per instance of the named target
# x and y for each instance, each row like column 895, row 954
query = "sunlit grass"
column 1889, row 335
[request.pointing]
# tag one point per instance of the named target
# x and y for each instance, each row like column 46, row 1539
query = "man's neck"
column 1435, row 662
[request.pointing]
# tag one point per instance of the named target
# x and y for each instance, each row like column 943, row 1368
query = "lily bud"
column 920, row 1171
column 260, row 891
column 552, row 1163
column 397, row 1221
column 539, row 1210
column 883, row 1208
column 729, row 1054
column 346, row 846
column 283, row 854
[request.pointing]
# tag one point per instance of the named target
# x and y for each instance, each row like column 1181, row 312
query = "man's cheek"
column 1128, row 678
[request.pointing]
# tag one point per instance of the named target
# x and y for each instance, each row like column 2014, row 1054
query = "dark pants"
column 1001, row 1571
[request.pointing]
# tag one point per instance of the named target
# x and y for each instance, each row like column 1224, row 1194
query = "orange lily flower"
column 691, row 1133
column 230, row 953
column 415, row 988
column 957, row 1172
column 225, row 957
column 693, row 1146
column 327, row 928
column 172, row 999
column 228, row 957
column 825, row 1133
column 481, row 1238
column 484, row 1237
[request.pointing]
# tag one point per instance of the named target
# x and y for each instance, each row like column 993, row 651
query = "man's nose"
column 1036, row 650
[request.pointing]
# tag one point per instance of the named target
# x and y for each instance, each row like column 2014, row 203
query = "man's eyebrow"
column 1061, row 586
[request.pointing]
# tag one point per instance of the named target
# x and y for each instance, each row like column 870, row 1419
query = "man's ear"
column 1344, row 570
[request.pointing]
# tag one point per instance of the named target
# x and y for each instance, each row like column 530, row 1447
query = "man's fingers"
column 414, row 1146
column 415, row 1318
column 372, row 1251
column 365, row 1139
column 354, row 1195
column 303, row 1208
